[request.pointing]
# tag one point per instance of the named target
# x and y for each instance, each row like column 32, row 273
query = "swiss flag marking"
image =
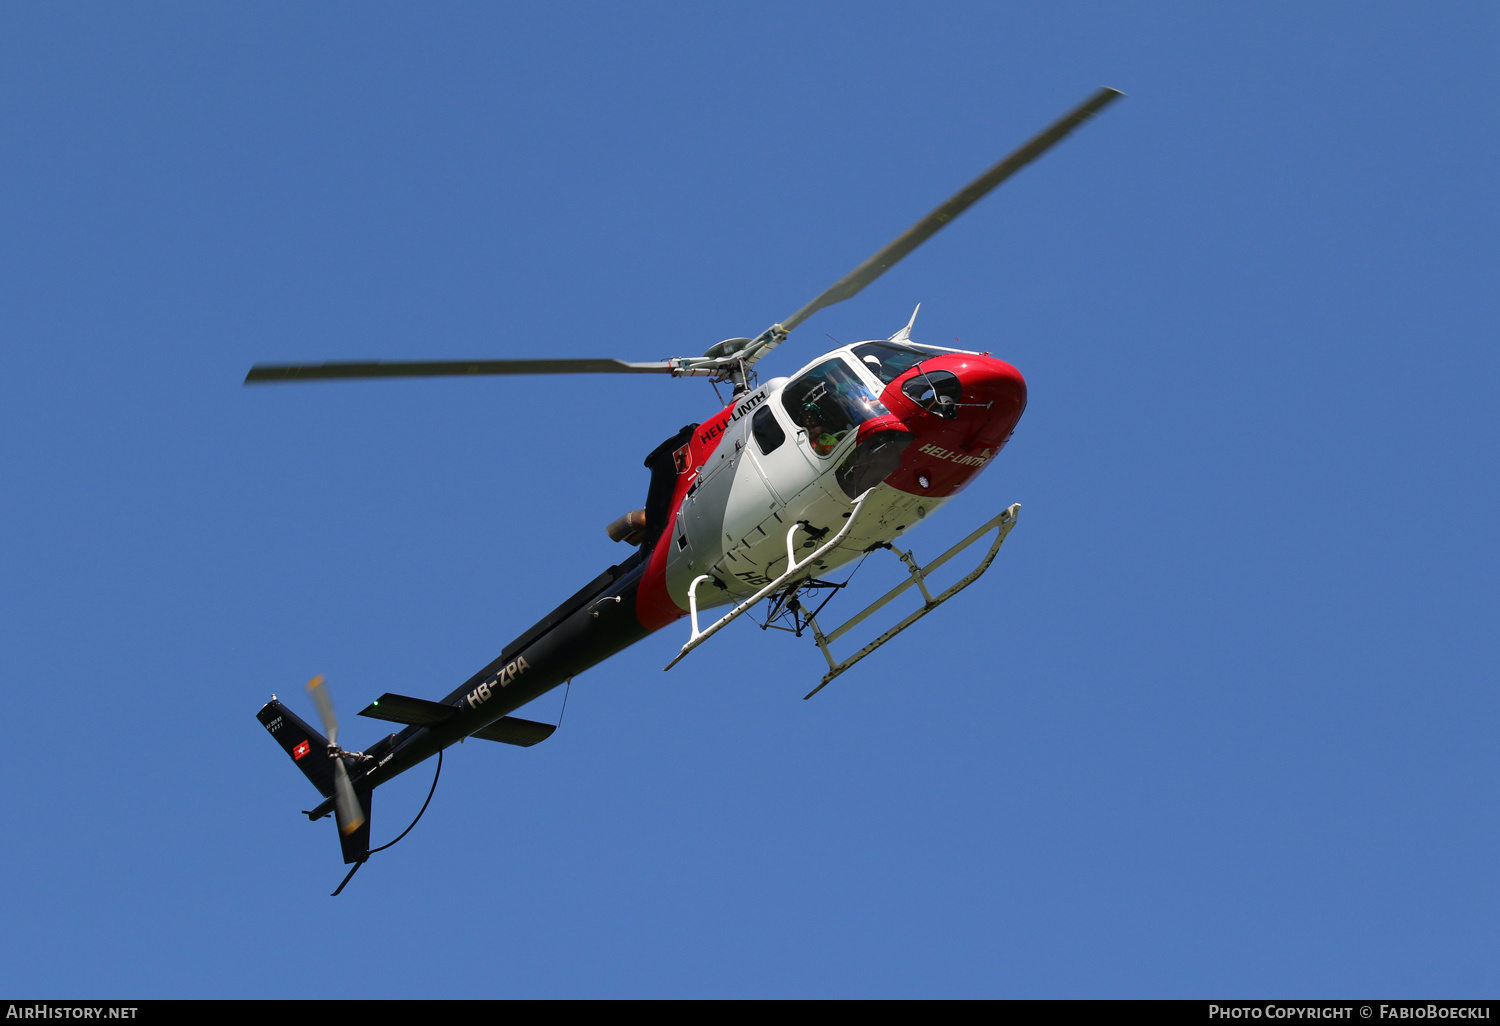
column 301, row 750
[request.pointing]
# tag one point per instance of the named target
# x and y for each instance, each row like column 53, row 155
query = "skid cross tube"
column 1000, row 524
column 793, row 568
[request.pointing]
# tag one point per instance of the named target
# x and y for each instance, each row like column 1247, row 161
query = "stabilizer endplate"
column 414, row 712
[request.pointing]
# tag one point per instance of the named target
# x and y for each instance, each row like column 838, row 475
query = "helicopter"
column 793, row 479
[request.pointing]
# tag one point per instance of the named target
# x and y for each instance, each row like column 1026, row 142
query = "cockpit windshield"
column 829, row 401
column 889, row 360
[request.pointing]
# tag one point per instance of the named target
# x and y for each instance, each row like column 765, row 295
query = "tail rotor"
column 346, row 806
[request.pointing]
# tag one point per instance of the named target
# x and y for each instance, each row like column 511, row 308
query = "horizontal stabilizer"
column 414, row 712
column 512, row 730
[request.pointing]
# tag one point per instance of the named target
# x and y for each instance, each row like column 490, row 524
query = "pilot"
column 822, row 440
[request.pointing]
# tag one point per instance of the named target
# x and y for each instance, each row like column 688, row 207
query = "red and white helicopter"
column 793, row 479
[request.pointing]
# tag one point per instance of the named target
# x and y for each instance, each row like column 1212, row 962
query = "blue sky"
column 1220, row 721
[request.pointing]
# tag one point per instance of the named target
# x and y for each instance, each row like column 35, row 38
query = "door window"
column 830, row 401
column 767, row 432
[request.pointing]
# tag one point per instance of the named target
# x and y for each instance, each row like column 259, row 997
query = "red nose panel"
column 960, row 425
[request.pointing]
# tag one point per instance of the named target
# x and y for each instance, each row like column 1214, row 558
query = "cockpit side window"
column 829, row 401
column 767, row 432
column 888, row 361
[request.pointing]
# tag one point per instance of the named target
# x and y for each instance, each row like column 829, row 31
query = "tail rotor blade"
column 346, row 807
column 325, row 709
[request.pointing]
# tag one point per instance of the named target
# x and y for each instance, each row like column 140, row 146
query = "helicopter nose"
column 983, row 394
column 995, row 389
column 960, row 410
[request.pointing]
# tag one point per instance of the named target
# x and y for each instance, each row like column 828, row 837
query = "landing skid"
column 1000, row 524
column 797, row 573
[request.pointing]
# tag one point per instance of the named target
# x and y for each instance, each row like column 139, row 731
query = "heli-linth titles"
column 793, row 479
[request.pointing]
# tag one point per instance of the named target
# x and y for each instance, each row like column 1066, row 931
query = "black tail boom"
column 593, row 624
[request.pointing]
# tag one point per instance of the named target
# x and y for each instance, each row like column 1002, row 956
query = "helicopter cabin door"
column 826, row 406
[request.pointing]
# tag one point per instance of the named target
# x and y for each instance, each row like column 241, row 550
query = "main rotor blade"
column 966, row 197
column 269, row 372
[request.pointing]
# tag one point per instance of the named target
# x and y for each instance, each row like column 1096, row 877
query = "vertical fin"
column 308, row 748
column 356, row 843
